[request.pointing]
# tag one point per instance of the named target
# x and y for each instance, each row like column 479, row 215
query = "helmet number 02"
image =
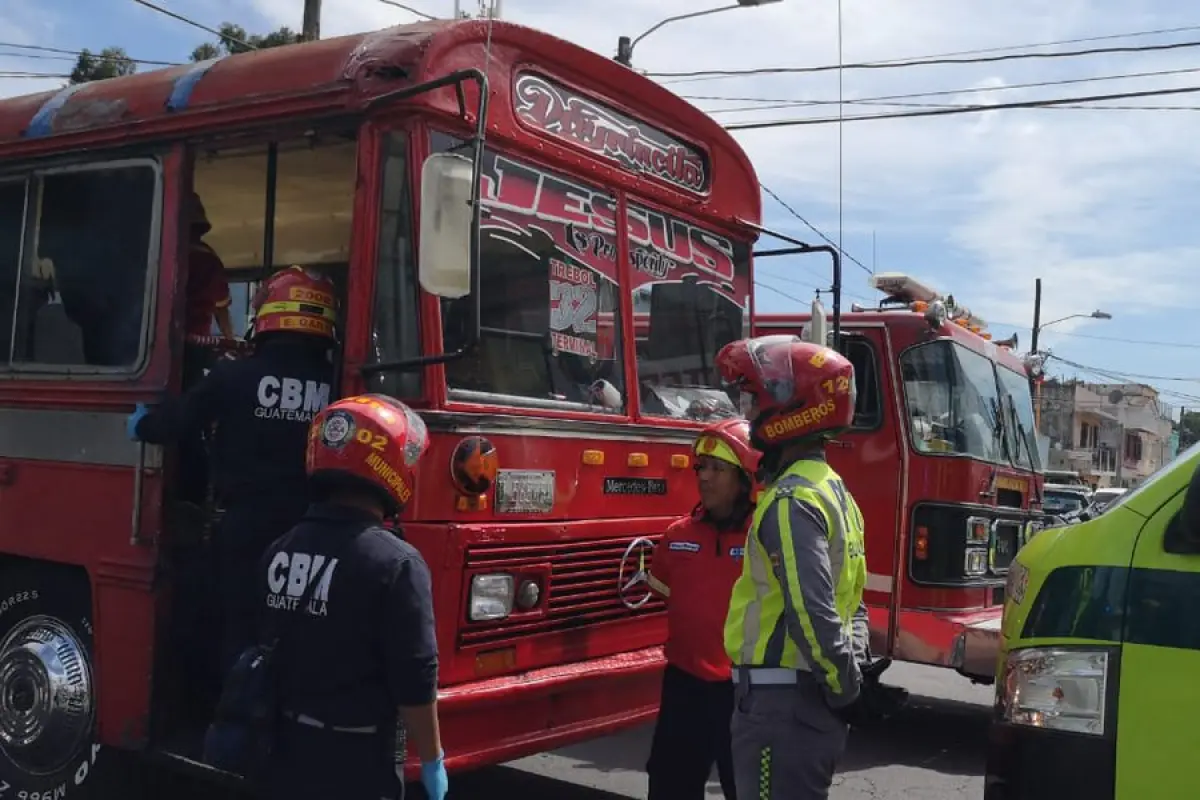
column 375, row 440
column 842, row 386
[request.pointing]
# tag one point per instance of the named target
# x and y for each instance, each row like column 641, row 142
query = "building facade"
column 1111, row 434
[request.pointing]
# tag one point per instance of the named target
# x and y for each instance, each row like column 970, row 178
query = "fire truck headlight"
column 1055, row 688
column 491, row 597
column 975, row 563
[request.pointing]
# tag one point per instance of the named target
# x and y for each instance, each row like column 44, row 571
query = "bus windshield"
column 953, row 401
column 692, row 288
column 551, row 327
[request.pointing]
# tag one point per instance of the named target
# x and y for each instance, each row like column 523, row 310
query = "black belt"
column 305, row 719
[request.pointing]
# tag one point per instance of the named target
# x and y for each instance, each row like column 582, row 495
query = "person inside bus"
column 695, row 566
column 790, row 631
column 357, row 673
column 207, row 289
column 261, row 406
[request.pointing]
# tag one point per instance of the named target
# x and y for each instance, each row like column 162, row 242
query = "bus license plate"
column 524, row 491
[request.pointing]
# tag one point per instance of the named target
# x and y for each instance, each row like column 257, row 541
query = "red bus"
column 488, row 199
column 943, row 460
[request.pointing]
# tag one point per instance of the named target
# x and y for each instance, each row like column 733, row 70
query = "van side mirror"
column 447, row 211
column 1183, row 532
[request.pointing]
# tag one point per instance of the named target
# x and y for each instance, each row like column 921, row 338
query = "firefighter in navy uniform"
column 695, row 566
column 261, row 407
column 790, row 631
column 361, row 661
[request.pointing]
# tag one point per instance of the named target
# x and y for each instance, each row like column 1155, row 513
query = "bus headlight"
column 1047, row 687
column 491, row 597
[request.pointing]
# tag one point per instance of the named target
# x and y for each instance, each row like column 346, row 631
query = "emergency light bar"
column 903, row 288
column 911, row 292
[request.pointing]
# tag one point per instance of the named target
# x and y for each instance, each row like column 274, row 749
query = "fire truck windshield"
column 954, row 404
column 1020, row 424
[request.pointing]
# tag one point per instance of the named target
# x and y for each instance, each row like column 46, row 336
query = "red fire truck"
column 488, row 199
column 943, row 459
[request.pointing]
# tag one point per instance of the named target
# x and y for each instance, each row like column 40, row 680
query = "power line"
column 1098, row 371
column 409, row 9
column 194, row 24
column 814, row 228
column 776, row 103
column 41, row 75
column 1055, row 42
column 1147, row 342
column 941, row 112
column 72, row 53
column 923, row 62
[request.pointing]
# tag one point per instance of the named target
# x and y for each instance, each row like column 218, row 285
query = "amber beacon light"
column 473, row 469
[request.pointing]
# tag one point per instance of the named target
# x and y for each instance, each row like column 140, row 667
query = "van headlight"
column 1055, row 688
column 491, row 597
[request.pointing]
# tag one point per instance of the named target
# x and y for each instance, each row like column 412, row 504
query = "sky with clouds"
column 1101, row 203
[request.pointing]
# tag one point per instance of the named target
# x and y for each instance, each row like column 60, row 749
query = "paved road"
column 933, row 750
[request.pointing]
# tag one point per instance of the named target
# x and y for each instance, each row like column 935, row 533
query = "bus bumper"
column 1029, row 763
column 967, row 641
column 509, row 717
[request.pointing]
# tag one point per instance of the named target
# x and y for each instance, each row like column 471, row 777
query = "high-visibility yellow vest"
column 756, row 607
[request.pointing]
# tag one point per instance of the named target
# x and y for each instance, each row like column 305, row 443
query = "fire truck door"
column 870, row 459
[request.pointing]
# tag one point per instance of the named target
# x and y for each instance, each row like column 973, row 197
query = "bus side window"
column 86, row 257
column 12, row 209
column 868, row 410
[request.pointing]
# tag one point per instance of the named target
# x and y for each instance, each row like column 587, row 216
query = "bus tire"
column 49, row 749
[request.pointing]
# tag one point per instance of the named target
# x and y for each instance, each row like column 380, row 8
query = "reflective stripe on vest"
column 756, row 627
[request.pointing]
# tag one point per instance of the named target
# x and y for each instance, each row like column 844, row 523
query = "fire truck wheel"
column 48, row 746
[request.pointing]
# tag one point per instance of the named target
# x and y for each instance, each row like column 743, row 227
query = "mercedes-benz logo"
column 633, row 565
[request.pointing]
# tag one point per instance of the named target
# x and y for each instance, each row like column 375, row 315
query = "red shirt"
column 695, row 566
column 207, row 289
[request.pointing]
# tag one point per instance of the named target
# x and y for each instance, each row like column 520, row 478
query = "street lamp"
column 625, row 45
column 1097, row 314
column 1038, row 326
column 409, row 9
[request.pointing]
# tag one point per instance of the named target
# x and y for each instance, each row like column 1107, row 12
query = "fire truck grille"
column 582, row 586
column 1007, row 540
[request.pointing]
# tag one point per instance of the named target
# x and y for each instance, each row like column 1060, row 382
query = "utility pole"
column 1037, row 315
column 312, row 21
column 1036, row 383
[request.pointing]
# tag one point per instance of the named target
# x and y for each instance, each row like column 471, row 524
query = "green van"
column 1098, row 677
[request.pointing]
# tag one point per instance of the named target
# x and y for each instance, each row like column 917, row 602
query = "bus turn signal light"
column 638, row 459
column 680, row 461
column 593, row 458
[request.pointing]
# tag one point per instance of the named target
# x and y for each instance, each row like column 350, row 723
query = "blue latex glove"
column 131, row 422
column 433, row 778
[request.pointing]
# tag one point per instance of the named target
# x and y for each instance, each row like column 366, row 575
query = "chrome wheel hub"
column 46, row 698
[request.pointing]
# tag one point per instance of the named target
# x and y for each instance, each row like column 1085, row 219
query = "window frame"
column 471, row 399
column 906, row 419
column 633, row 376
column 31, row 173
column 377, row 138
column 859, row 339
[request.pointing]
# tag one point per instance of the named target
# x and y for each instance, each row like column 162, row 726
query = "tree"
column 114, row 62
column 233, row 37
column 111, row 62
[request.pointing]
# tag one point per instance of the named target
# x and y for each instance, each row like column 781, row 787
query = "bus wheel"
column 48, row 745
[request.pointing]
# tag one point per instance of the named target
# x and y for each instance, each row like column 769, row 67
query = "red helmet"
column 296, row 300
column 729, row 441
column 371, row 440
column 794, row 389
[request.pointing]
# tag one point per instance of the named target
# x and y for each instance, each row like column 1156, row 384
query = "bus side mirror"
column 1183, row 532
column 447, row 212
